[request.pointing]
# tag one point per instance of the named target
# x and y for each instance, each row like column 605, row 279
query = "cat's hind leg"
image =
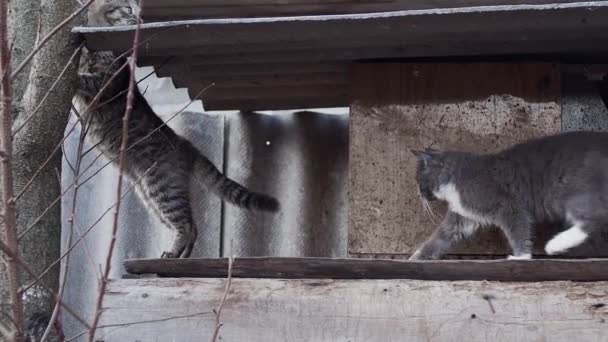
column 567, row 239
column 169, row 195
column 176, row 213
column 454, row 228
column 584, row 213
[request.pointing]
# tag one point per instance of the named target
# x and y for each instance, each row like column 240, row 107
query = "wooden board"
column 162, row 10
column 267, row 310
column 464, row 29
column 473, row 107
column 503, row 270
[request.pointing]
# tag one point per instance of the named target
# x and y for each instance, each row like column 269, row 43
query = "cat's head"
column 429, row 167
column 112, row 13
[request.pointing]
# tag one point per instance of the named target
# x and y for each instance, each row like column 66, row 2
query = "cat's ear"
column 423, row 156
column 417, row 153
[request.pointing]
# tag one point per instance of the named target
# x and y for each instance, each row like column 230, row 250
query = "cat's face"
column 112, row 13
column 428, row 170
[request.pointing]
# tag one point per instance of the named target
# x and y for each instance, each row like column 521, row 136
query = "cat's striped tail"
column 232, row 191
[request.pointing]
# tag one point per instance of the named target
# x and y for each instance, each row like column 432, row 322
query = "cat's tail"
column 230, row 190
column 35, row 325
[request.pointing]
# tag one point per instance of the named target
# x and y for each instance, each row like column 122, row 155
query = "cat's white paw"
column 566, row 240
column 551, row 248
column 415, row 256
column 520, row 257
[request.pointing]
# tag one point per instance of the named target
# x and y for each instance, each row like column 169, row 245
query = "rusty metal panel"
column 475, row 107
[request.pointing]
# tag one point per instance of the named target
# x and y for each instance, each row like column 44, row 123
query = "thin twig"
column 218, row 311
column 56, row 310
column 86, row 232
column 66, row 135
column 4, row 330
column 119, row 325
column 35, row 222
column 121, row 165
column 4, row 248
column 9, row 210
column 90, row 108
column 49, row 35
column 165, row 123
column 65, row 69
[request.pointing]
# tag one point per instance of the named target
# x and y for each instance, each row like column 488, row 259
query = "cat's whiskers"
column 428, row 210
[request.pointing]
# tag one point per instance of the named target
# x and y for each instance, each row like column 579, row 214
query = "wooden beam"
column 272, row 103
column 501, row 270
column 264, row 81
column 560, row 27
column 197, row 65
column 513, row 27
column 276, row 97
column 162, row 10
column 273, row 310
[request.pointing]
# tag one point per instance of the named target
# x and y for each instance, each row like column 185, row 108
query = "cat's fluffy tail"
column 35, row 325
column 232, row 191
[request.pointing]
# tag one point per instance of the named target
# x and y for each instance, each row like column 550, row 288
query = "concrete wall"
column 471, row 107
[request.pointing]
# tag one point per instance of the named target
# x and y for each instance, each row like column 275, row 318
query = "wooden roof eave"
column 321, row 39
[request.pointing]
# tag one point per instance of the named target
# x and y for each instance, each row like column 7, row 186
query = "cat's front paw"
column 520, row 257
column 415, row 256
column 168, row 255
column 420, row 255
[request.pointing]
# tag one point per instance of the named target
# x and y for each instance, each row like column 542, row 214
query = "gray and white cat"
column 560, row 178
column 163, row 162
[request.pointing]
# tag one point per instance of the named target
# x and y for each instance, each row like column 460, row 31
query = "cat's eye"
column 128, row 9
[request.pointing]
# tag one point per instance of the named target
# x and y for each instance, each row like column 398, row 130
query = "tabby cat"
column 161, row 161
column 559, row 178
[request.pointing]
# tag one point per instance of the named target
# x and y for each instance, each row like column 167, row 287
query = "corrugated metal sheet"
column 190, row 48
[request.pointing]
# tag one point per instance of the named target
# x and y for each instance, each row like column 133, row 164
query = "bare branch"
column 44, row 40
column 218, row 311
column 5, row 331
column 31, row 226
column 82, row 236
column 92, row 106
column 4, row 248
column 121, row 164
column 9, row 211
column 65, row 69
column 119, row 325
column 58, row 147
column 56, row 310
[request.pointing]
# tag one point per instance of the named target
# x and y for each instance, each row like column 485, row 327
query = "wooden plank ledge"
column 273, row 310
column 294, row 268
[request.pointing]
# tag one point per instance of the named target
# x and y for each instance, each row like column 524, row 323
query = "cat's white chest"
column 450, row 194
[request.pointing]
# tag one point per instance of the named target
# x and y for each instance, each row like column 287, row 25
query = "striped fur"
column 162, row 161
